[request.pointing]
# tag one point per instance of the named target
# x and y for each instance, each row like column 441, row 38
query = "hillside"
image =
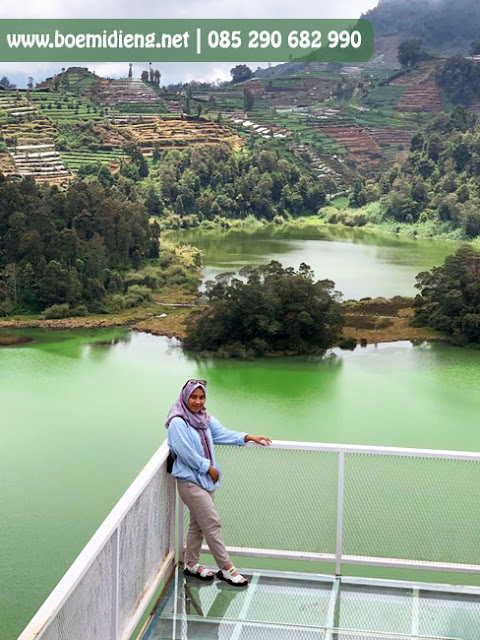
column 331, row 122
column 443, row 25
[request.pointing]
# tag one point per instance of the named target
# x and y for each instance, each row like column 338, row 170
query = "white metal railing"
column 341, row 504
column 419, row 505
column 104, row 595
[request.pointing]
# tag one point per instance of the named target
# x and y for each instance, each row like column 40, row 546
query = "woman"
column 191, row 434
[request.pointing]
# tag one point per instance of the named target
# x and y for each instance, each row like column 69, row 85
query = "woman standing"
column 192, row 433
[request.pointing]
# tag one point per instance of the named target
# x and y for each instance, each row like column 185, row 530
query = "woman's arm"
column 221, row 435
column 179, row 442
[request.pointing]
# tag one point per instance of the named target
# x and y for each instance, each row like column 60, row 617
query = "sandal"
column 193, row 572
column 229, row 578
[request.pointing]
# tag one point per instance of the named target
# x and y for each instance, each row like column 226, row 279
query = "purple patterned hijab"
column 199, row 421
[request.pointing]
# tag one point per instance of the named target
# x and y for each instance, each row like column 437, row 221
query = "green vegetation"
column 275, row 311
column 411, row 52
column 89, row 249
column 202, row 183
column 386, row 97
column 65, row 107
column 461, row 80
column 439, row 183
column 449, row 299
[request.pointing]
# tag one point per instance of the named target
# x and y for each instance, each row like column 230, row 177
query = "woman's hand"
column 213, row 473
column 263, row 440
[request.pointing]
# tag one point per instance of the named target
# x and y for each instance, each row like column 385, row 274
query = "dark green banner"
column 185, row 40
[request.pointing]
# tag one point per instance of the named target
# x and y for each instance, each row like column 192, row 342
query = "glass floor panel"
column 289, row 606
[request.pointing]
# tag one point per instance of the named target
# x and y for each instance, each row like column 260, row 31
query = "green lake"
column 83, row 411
column 361, row 262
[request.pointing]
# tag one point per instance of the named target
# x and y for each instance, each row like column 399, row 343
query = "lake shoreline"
column 370, row 321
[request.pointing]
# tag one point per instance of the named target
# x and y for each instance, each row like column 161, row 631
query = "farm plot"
column 41, row 161
column 384, row 97
column 363, row 149
column 421, row 91
column 38, row 131
column 60, row 107
column 179, row 134
column 76, row 159
column 15, row 105
column 123, row 91
column 393, row 142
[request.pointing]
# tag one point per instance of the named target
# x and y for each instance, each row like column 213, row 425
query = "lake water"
column 83, row 411
column 361, row 263
column 79, row 421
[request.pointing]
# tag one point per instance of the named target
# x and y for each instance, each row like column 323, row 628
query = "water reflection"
column 360, row 262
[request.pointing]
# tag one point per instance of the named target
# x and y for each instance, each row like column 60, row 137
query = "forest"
column 440, row 179
column 79, row 251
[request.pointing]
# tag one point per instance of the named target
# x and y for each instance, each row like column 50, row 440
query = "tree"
column 5, row 82
column 158, row 75
column 144, row 76
column 449, row 299
column 475, row 48
column 461, row 79
column 248, row 99
column 411, row 52
column 130, row 70
column 271, row 310
column 30, row 83
column 240, row 73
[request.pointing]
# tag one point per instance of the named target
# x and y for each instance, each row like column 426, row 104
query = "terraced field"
column 36, row 131
column 386, row 97
column 75, row 159
column 76, row 80
column 41, row 161
column 54, row 105
column 421, row 91
column 179, row 134
column 123, row 91
column 30, row 139
column 15, row 105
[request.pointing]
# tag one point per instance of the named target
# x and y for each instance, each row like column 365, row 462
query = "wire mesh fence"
column 104, row 593
column 353, row 505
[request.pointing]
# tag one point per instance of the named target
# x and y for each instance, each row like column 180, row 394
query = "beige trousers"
column 204, row 522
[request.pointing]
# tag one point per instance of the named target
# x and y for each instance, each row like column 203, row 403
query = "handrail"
column 109, row 531
column 87, row 556
column 374, row 450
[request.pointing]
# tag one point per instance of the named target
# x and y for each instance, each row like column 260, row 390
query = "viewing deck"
column 284, row 605
column 335, row 506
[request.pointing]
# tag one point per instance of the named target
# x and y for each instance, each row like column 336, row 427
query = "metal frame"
column 339, row 558
column 354, row 448
column 108, row 530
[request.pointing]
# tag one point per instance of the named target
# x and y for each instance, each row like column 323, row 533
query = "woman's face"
column 196, row 400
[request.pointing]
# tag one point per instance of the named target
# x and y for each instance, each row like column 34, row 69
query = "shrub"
column 137, row 295
column 57, row 311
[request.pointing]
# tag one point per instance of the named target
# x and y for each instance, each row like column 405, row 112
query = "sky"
column 171, row 72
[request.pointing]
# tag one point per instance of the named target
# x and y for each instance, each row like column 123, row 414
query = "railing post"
column 115, row 585
column 173, row 511
column 340, row 503
column 180, row 537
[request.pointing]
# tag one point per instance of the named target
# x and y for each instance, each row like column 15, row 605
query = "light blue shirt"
column 190, row 464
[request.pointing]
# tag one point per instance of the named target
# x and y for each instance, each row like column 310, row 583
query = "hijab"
column 200, row 420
